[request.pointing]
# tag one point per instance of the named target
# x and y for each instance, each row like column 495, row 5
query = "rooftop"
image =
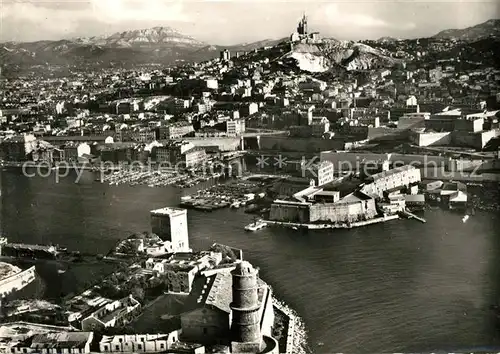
column 61, row 340
column 415, row 198
column 105, row 316
column 77, row 138
column 296, row 180
column 220, row 294
column 327, row 193
column 169, row 211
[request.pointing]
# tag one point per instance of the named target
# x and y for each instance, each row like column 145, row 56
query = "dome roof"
column 244, row 268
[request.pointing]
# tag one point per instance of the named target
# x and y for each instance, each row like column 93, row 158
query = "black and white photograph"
column 251, row 177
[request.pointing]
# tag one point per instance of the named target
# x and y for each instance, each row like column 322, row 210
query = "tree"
column 228, row 254
column 138, row 293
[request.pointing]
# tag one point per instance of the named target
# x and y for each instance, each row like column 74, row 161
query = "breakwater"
column 17, row 281
column 296, row 342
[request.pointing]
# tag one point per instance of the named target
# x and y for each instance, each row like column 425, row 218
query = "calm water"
column 401, row 286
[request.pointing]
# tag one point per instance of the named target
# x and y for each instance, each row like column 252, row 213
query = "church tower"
column 302, row 27
column 304, row 24
column 245, row 326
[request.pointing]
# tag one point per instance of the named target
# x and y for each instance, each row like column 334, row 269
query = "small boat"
column 61, row 271
column 256, row 225
column 295, row 228
column 465, row 218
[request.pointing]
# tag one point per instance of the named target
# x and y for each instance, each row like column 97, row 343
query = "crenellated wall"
column 343, row 212
column 289, row 213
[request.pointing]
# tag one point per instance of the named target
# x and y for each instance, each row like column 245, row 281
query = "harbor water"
column 392, row 287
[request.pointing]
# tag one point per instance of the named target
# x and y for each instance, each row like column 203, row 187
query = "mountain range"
column 486, row 29
column 165, row 45
column 156, row 36
column 161, row 45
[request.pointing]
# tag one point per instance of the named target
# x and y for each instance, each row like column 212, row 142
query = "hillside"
column 474, row 33
column 350, row 55
column 485, row 51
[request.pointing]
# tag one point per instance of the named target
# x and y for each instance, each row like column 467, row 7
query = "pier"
column 23, row 250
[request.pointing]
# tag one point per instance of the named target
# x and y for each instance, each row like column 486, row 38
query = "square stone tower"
column 171, row 225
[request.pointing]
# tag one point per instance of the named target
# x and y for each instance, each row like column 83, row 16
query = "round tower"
column 245, row 307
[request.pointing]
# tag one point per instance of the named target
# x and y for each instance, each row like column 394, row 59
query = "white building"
column 324, row 172
column 235, row 127
column 114, row 314
column 411, row 101
column 249, row 109
column 387, row 180
column 138, row 343
column 212, row 84
column 225, row 55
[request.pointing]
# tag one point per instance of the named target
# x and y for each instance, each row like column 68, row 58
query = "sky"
column 227, row 22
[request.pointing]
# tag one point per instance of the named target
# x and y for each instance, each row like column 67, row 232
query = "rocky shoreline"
column 297, row 333
column 485, row 197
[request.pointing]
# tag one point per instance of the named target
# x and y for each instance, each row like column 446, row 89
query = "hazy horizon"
column 227, row 22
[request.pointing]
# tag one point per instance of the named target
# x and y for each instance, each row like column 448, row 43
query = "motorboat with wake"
column 256, row 225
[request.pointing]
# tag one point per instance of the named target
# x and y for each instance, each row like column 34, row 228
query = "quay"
column 61, row 166
column 332, row 226
column 408, row 215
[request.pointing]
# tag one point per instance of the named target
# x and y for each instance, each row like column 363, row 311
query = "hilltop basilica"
column 302, row 35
